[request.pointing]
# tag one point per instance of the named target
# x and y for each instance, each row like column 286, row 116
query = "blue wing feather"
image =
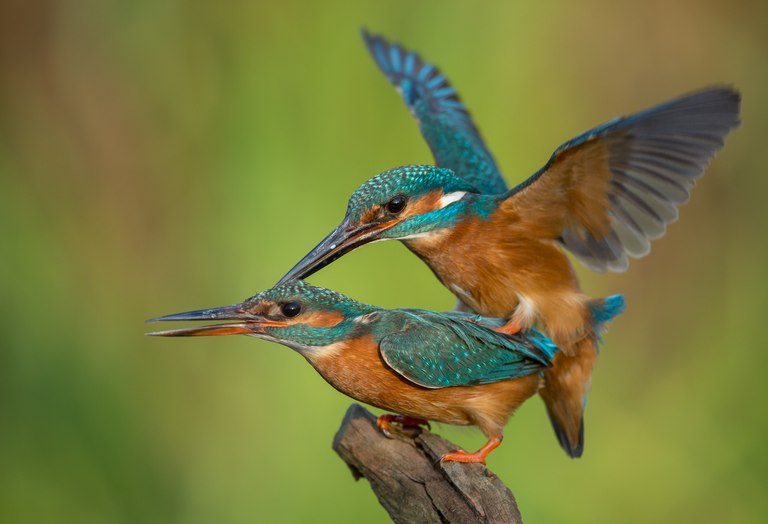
column 437, row 350
column 443, row 119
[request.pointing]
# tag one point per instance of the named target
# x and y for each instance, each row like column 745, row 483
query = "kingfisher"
column 452, row 367
column 603, row 196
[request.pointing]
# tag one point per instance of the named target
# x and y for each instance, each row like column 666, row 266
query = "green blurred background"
column 163, row 156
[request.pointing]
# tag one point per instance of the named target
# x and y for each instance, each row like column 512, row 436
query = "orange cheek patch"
column 268, row 308
column 419, row 206
column 425, row 204
column 319, row 319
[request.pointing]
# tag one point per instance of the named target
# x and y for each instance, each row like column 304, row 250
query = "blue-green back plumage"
column 443, row 119
column 437, row 350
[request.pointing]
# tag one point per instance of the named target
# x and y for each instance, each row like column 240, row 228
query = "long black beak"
column 248, row 324
column 341, row 241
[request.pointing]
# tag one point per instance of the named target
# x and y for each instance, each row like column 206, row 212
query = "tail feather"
column 567, row 382
column 576, row 449
column 603, row 310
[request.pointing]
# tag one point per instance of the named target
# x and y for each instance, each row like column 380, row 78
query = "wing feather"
column 618, row 186
column 443, row 119
column 437, row 350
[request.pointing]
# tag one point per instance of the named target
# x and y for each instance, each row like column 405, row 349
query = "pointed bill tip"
column 234, row 312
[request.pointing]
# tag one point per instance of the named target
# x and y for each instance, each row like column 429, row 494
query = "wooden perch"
column 410, row 483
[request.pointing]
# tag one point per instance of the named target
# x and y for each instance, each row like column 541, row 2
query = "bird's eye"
column 396, row 205
column 291, row 309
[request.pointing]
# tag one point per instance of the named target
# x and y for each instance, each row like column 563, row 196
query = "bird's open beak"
column 247, row 323
column 341, row 241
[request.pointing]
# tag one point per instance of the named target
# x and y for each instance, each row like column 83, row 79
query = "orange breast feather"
column 356, row 369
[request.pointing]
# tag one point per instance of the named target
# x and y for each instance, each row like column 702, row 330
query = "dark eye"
column 396, row 205
column 291, row 309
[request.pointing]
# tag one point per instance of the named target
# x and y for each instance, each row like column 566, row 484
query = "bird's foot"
column 510, row 328
column 383, row 422
column 476, row 457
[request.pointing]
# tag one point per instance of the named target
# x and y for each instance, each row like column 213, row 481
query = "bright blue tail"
column 603, row 310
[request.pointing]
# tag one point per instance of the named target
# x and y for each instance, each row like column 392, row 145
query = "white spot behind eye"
column 450, row 198
column 367, row 318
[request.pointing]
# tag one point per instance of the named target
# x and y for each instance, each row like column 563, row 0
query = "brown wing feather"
column 572, row 195
column 607, row 193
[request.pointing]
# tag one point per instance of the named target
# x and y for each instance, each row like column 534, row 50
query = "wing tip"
column 390, row 56
column 369, row 39
column 400, row 63
column 719, row 103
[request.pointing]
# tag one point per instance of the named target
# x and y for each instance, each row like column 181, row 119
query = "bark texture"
column 412, row 485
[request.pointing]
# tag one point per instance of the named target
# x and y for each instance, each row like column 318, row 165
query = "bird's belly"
column 493, row 267
column 359, row 372
column 534, row 284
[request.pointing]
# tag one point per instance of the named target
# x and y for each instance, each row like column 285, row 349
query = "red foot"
column 476, row 457
column 384, row 422
column 510, row 328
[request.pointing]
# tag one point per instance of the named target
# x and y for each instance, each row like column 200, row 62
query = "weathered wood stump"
column 412, row 485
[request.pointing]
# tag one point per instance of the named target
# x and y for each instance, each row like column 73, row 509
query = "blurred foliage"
column 164, row 156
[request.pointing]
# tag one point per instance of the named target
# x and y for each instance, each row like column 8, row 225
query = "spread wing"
column 607, row 193
column 445, row 123
column 437, row 351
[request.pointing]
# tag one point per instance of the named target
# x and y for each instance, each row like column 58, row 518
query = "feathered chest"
column 492, row 265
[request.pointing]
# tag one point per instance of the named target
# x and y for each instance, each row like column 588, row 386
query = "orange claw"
column 510, row 328
column 476, row 457
column 383, row 422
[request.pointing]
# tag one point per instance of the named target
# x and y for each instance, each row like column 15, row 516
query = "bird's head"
column 403, row 203
column 295, row 314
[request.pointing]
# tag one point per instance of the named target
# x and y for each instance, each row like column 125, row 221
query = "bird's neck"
column 430, row 242
column 499, row 267
column 428, row 231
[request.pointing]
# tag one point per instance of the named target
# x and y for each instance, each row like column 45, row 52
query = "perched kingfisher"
column 603, row 196
column 447, row 367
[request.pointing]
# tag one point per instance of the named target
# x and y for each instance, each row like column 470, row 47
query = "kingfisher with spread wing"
column 603, row 196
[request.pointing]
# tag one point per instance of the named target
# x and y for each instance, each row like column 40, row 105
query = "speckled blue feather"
column 413, row 182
